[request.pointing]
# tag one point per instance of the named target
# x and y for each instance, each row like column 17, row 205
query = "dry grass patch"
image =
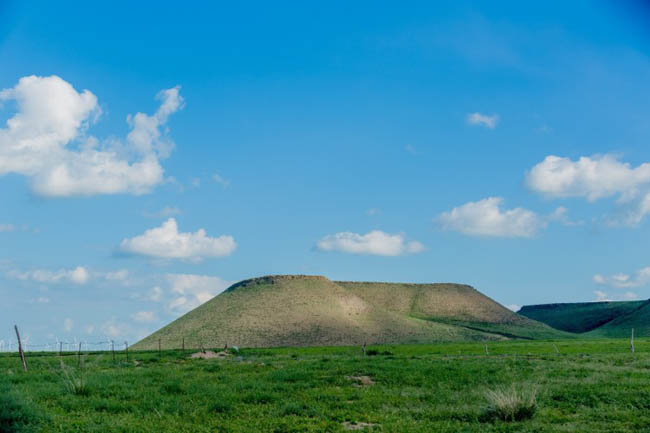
column 361, row 380
column 511, row 403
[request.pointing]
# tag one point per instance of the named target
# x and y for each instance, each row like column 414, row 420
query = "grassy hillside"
column 456, row 304
column 579, row 317
column 312, row 310
column 621, row 326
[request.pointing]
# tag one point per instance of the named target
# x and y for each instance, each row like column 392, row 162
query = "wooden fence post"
column 159, row 350
column 20, row 348
column 60, row 347
column 79, row 355
column 183, row 343
column 486, row 350
column 632, row 341
column 113, row 350
column 126, row 350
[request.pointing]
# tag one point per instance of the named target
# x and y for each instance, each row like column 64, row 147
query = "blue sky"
column 500, row 145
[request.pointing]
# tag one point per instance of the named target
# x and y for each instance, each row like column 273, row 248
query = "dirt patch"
column 208, row 354
column 358, row 425
column 361, row 380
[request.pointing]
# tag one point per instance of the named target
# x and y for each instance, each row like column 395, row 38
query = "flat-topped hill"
column 302, row 310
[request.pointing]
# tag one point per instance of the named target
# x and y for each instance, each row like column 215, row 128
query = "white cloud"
column 155, row 294
column 78, row 275
column 589, row 177
column 7, row 228
column 627, row 296
column 166, row 242
column 375, row 243
column 513, row 307
column 67, row 324
column 601, row 296
column 221, row 180
column 479, row 119
column 113, row 329
column 593, row 178
column 119, row 275
column 188, row 291
column 485, row 218
column 46, row 141
column 372, row 211
column 561, row 215
column 144, row 316
column 621, row 280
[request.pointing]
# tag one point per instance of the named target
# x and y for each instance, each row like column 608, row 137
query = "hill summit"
column 306, row 310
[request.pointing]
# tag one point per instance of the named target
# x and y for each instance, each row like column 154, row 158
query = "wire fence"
column 63, row 346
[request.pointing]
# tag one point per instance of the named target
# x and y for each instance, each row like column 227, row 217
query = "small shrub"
column 372, row 352
column 510, row 404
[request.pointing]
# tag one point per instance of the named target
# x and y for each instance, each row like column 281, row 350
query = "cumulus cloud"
column 144, row 316
column 479, row 119
column 46, row 140
column 513, row 307
column 589, row 177
column 7, row 228
column 376, row 243
column 593, row 178
column 486, row 218
column 67, row 324
column 78, row 275
column 166, row 242
column 621, row 280
column 188, row 291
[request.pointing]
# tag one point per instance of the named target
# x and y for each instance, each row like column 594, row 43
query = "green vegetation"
column 580, row 317
column 311, row 310
column 511, row 404
column 621, row 326
column 591, row 385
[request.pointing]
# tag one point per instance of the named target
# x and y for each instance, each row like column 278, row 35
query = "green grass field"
column 586, row 386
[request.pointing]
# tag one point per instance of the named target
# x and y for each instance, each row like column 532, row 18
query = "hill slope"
column 621, row 326
column 456, row 304
column 295, row 310
column 581, row 316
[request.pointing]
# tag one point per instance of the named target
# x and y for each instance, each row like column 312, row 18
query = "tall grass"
column 511, row 403
column 74, row 380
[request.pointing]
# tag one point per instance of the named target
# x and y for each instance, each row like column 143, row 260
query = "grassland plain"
column 585, row 386
column 299, row 310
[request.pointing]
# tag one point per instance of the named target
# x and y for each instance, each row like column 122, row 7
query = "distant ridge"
column 607, row 318
column 311, row 310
